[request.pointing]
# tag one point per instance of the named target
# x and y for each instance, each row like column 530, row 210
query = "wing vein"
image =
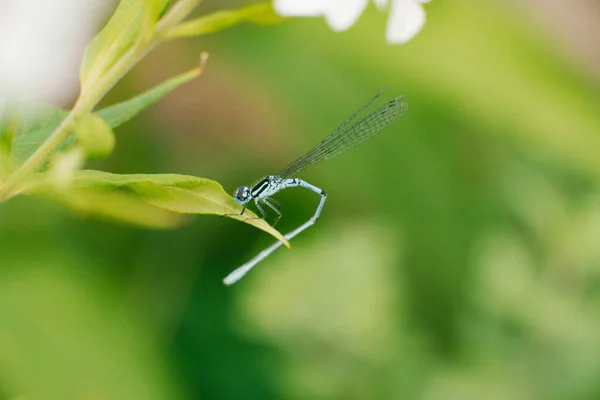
column 348, row 136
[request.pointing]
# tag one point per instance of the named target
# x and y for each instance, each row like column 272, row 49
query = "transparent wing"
column 347, row 135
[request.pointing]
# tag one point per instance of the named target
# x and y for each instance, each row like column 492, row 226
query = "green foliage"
column 177, row 193
column 120, row 113
column 36, row 124
column 130, row 27
column 165, row 7
column 9, row 121
column 36, row 130
column 37, row 117
column 117, row 205
column 27, row 144
column 59, row 141
column 259, row 13
column 457, row 256
column 94, row 136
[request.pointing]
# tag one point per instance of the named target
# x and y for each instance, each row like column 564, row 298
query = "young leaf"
column 178, row 193
column 261, row 13
column 130, row 24
column 38, row 116
column 94, row 135
column 93, row 132
column 122, row 112
column 25, row 145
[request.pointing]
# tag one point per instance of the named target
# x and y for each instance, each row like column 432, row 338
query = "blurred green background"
column 457, row 257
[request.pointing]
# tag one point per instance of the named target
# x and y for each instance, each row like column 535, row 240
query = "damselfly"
column 342, row 139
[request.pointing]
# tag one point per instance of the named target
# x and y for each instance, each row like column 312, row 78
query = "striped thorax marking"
column 270, row 185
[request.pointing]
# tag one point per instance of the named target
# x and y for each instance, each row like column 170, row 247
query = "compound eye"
column 241, row 193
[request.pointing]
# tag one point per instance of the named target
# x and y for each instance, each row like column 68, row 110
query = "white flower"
column 405, row 20
column 41, row 44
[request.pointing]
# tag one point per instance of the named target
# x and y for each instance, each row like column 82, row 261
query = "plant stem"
column 92, row 95
column 84, row 104
column 177, row 13
column 38, row 157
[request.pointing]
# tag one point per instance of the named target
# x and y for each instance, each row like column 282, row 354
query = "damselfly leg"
column 264, row 215
column 236, row 215
column 269, row 201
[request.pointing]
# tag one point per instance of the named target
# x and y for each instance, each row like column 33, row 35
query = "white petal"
column 342, row 14
column 300, row 8
column 381, row 4
column 41, row 43
column 407, row 17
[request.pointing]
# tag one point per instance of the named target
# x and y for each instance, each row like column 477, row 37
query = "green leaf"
column 36, row 122
column 108, row 201
column 122, row 112
column 38, row 116
column 9, row 122
column 130, row 25
column 261, row 13
column 172, row 192
column 25, row 145
column 165, row 8
column 119, row 206
column 36, row 130
column 94, row 135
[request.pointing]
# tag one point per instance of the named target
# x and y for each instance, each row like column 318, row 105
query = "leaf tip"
column 203, row 60
column 201, row 65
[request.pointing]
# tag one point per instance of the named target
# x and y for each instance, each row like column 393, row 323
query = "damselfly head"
column 242, row 195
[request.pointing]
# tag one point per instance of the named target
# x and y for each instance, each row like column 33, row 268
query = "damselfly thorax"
column 266, row 187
